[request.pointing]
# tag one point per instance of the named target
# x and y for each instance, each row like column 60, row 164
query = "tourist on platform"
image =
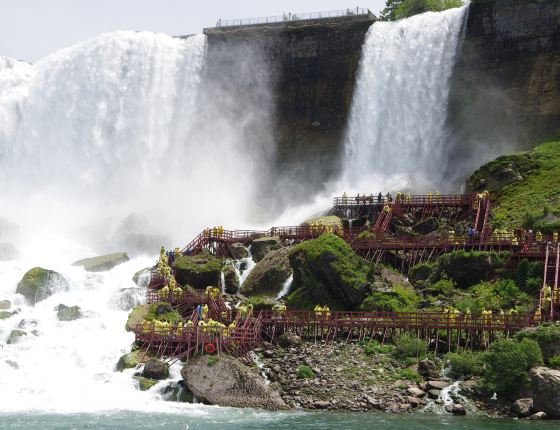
column 379, row 198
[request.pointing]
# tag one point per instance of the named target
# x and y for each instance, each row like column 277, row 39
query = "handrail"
column 293, row 17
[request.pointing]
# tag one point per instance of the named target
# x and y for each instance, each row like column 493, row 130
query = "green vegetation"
column 373, row 348
column 508, row 363
column 400, row 299
column 399, row 9
column 554, row 362
column 546, row 335
column 304, row 372
column 408, row 347
column 199, row 271
column 163, row 311
column 465, row 365
column 260, row 303
column 420, row 272
column 409, row 375
column 521, row 185
column 496, row 296
column 212, row 359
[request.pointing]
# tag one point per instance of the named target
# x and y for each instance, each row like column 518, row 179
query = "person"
column 546, row 294
column 318, row 311
column 389, row 198
column 408, row 198
column 204, row 312
column 429, row 197
column 326, row 312
column 539, row 236
column 379, row 198
column 555, row 236
column 344, row 198
column 199, row 311
column 537, row 316
column 386, row 209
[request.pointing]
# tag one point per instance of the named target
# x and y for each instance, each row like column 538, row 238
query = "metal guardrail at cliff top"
column 293, row 17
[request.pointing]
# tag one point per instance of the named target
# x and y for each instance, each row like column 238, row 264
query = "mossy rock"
column 68, row 313
column 136, row 316
column 198, row 271
column 263, row 245
column 260, row 303
column 269, row 274
column 144, row 384
column 142, row 277
column 15, row 335
column 102, row 263
column 231, row 279
column 330, row 220
column 5, row 304
column 177, row 392
column 155, row 369
column 38, row 284
column 129, row 361
column 327, row 271
column 5, row 315
column 163, row 311
column 238, row 251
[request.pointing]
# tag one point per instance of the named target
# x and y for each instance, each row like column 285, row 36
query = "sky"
column 32, row 29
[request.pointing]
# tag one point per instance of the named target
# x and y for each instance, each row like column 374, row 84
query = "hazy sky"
column 31, row 29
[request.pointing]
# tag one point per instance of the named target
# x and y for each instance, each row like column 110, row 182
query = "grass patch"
column 304, row 372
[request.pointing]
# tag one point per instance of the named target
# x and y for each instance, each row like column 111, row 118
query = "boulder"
column 144, row 384
column 231, row 279
column 38, row 284
column 238, row 251
column 416, row 392
column 289, row 340
column 327, row 271
column 8, row 252
column 538, row 416
column 142, row 277
column 68, row 313
column 434, row 394
column 128, row 361
column 269, row 274
column 428, row 369
column 262, row 246
column 455, row 409
column 426, row 226
column 545, row 389
column 5, row 304
column 177, row 392
column 155, row 369
column 198, row 271
column 102, row 263
column 523, row 407
column 15, row 335
column 136, row 316
column 227, row 382
column 5, row 315
column 437, row 385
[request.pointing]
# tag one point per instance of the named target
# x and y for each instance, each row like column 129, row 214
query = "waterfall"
column 396, row 132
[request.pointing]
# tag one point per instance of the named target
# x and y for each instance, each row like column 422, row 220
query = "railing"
column 406, row 200
column 293, row 17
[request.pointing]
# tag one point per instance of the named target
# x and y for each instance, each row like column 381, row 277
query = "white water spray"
column 396, row 133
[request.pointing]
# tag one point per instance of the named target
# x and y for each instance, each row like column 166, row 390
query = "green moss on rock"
column 128, row 361
column 136, row 316
column 102, row 263
column 262, row 246
column 199, row 271
column 231, row 279
column 269, row 274
column 144, row 384
column 38, row 284
column 68, row 313
column 327, row 271
column 15, row 335
column 5, row 315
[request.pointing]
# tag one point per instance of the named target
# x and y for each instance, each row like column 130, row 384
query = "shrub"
column 465, row 365
column 442, row 288
column 373, row 347
column 408, row 346
column 554, row 362
column 502, row 294
column 508, row 363
column 420, row 272
column 546, row 335
column 212, row 359
column 304, row 372
column 408, row 374
column 163, row 311
column 400, row 299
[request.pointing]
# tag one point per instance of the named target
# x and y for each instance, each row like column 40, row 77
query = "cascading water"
column 105, row 146
column 396, row 133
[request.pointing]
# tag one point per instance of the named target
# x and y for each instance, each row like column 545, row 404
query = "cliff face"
column 311, row 68
column 506, row 84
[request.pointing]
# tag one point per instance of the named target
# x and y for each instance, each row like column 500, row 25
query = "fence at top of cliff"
column 292, row 17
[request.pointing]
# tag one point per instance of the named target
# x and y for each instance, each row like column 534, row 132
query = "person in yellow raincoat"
column 537, row 317
column 204, row 312
column 318, row 311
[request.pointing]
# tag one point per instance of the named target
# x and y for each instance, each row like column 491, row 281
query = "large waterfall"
column 396, row 135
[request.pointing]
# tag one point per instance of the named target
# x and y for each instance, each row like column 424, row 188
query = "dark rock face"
column 231, row 279
column 238, row 251
column 311, row 67
column 227, row 382
column 262, row 246
column 506, row 84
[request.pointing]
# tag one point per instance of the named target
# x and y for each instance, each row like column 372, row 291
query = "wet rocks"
column 142, row 277
column 269, row 274
column 455, row 409
column 38, row 284
column 523, row 407
column 437, row 385
column 68, row 313
column 289, row 340
column 136, row 316
column 128, row 361
column 238, row 251
column 227, row 382
column 144, row 384
column 231, row 279
column 428, row 369
column 155, row 369
column 102, row 263
column 5, row 304
column 262, row 246
column 545, row 390
column 15, row 336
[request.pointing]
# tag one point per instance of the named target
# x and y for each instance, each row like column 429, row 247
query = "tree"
column 399, row 9
column 388, row 14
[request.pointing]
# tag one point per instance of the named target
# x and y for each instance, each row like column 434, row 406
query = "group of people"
column 214, row 232
column 322, row 312
column 170, row 285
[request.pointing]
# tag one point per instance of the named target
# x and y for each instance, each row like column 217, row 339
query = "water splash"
column 285, row 287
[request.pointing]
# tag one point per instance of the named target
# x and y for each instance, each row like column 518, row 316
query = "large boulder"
column 38, row 284
column 15, row 335
column 231, row 279
column 155, row 369
column 238, row 251
column 269, row 274
column 142, row 277
column 198, row 271
column 428, row 369
column 262, row 246
column 129, row 361
column 144, row 384
column 545, row 388
column 6, row 314
column 227, row 382
column 102, row 263
column 68, row 313
column 523, row 407
column 327, row 271
column 136, row 316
